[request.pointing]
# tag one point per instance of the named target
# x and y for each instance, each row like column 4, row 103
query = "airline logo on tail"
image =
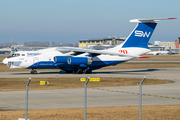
column 142, row 34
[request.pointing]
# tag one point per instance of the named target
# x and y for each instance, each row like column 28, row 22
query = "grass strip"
column 16, row 84
column 156, row 112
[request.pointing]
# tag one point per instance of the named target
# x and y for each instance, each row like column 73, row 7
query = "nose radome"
column 5, row 61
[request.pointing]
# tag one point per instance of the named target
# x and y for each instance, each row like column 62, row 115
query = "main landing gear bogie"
column 85, row 71
column 79, row 71
column 33, row 72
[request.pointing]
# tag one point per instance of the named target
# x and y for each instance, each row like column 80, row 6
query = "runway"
column 164, row 94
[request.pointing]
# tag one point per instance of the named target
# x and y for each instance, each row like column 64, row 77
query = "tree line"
column 47, row 44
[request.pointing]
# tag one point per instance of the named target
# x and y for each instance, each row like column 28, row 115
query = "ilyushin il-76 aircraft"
column 79, row 60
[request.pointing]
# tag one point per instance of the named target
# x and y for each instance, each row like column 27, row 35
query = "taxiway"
column 158, row 73
column 163, row 94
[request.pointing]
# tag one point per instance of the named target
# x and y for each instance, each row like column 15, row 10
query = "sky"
column 69, row 21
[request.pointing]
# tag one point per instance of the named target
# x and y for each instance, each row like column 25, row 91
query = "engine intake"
column 79, row 60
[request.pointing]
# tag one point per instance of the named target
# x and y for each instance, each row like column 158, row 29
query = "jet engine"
column 60, row 59
column 79, row 60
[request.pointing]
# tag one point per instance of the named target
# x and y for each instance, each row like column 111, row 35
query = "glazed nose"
column 5, row 61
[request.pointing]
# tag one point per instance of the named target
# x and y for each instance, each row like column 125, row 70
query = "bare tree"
column 47, row 43
column 53, row 44
column 37, row 44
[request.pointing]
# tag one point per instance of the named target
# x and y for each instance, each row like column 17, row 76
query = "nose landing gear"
column 9, row 64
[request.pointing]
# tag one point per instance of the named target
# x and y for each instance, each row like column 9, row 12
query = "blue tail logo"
column 141, row 34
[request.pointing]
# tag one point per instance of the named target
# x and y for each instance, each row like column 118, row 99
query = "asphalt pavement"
column 163, row 94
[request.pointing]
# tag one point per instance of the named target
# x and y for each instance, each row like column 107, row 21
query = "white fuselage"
column 45, row 58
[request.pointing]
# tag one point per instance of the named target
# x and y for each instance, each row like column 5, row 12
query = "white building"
column 166, row 44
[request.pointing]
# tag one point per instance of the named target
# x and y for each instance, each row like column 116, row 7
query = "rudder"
column 140, row 36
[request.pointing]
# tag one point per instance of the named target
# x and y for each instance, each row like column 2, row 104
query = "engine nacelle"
column 79, row 60
column 60, row 59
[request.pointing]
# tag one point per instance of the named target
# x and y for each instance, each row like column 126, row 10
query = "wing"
column 91, row 52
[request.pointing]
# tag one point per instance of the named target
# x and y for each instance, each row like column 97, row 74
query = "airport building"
column 175, row 46
column 101, row 42
column 177, row 43
column 167, row 45
column 4, row 51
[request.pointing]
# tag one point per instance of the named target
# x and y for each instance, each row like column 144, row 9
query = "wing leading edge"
column 93, row 52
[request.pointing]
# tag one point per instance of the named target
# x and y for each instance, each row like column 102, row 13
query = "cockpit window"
column 14, row 55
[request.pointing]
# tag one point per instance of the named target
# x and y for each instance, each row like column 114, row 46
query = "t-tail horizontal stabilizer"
column 149, row 20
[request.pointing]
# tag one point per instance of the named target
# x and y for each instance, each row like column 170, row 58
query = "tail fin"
column 141, row 34
column 169, row 49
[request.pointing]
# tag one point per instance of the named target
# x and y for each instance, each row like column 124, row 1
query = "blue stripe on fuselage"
column 52, row 65
column 43, row 65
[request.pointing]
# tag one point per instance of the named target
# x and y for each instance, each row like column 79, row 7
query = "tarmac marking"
column 138, row 94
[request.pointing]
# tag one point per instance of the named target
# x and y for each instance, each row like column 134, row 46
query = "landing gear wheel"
column 33, row 72
column 79, row 71
column 87, row 71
